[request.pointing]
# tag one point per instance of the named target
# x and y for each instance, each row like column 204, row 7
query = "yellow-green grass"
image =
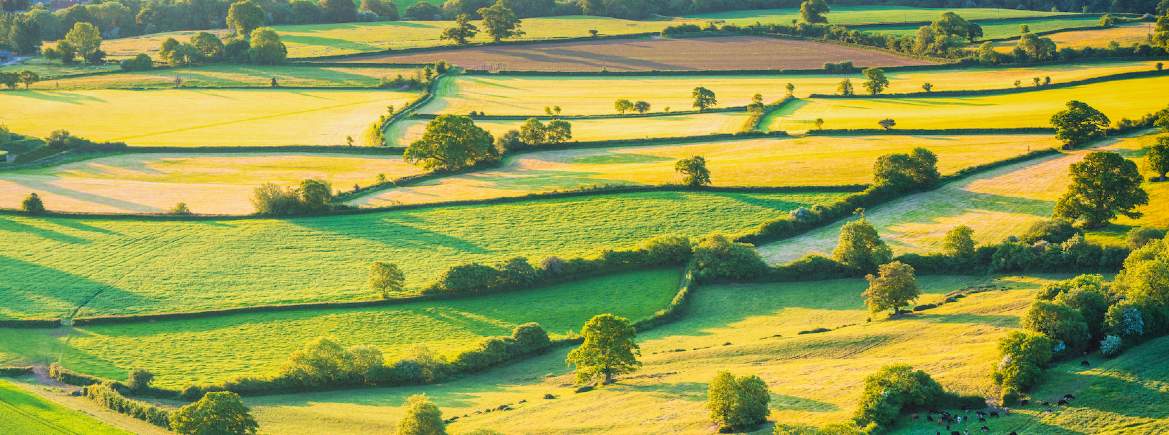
column 181, row 352
column 743, row 328
column 189, row 117
column 997, row 204
column 1130, row 98
column 207, row 183
column 403, row 133
column 233, row 76
column 854, row 15
column 583, row 95
column 1156, row 213
column 126, row 266
column 1005, row 29
column 799, row 161
column 310, row 40
column 24, row 413
column 1123, row 34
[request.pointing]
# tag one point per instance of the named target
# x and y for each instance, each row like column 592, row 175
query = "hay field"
column 583, row 95
column 1155, row 214
column 854, row 15
column 402, row 133
column 214, row 349
column 656, row 54
column 799, row 161
column 1001, row 29
column 207, row 183
column 224, row 75
column 128, row 266
column 744, row 328
column 22, row 412
column 190, row 117
column 1131, row 98
column 1123, row 34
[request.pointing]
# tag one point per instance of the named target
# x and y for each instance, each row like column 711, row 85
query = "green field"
column 207, row 183
column 854, row 15
column 1003, row 29
column 1123, row 34
column 191, row 117
column 1130, row 98
column 802, row 161
column 23, row 413
column 584, row 95
column 225, row 75
column 127, row 266
column 402, row 133
column 181, row 352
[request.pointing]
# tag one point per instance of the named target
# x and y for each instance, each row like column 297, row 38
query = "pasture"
column 234, row 76
column 215, row 349
column 802, row 161
column 999, row 29
column 130, row 266
column 225, row 117
column 684, row 54
column 207, row 183
column 1123, row 34
column 22, row 412
column 590, row 95
column 404, row 132
column 856, row 15
column 1130, row 98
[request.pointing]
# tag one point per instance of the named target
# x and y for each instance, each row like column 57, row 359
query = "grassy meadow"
column 1123, row 34
column 743, row 328
column 180, row 352
column 22, row 412
column 1002, row 29
column 1130, row 98
column 207, row 183
column 1155, row 214
column 128, row 266
column 798, row 161
column 854, row 15
column 225, row 117
column 226, row 75
column 404, row 132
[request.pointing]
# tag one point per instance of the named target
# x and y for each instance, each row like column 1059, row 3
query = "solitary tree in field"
column 875, row 80
column 887, row 123
column 1158, row 157
column 845, row 88
column 927, row 86
column 28, row 78
column 641, row 106
column 959, row 242
column 622, row 105
column 462, row 32
column 1104, row 185
column 860, row 247
column 756, row 105
column 608, row 349
column 85, row 39
column 451, row 142
column 812, row 11
column 737, row 403
column 245, row 16
column 703, row 98
column 1079, row 124
column 693, row 170
column 218, row 412
column 500, row 22
column 386, row 278
column 32, row 204
column 894, row 287
column 422, row 417
column 557, row 131
column 819, row 123
column 791, row 89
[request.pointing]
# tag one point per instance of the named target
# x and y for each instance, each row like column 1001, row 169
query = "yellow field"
column 233, row 76
column 1123, row 34
column 404, row 132
column 1130, row 98
column 190, row 117
column 815, row 161
column 1156, row 214
column 584, row 95
column 208, row 183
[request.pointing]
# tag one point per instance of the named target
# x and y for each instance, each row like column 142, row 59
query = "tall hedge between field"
column 15, row 371
column 486, row 117
column 107, row 394
column 1002, row 91
column 66, row 376
column 944, row 131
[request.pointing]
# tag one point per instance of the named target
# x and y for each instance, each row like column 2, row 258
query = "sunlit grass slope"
column 23, row 413
column 225, row 75
column 404, row 132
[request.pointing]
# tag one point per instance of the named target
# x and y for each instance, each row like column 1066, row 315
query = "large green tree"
column 1160, row 36
column 918, row 168
column 893, row 288
column 1158, row 157
column 218, row 412
column 737, row 403
column 875, row 80
column 245, row 16
column 703, row 98
column 1104, row 185
column 500, row 22
column 462, row 32
column 85, row 39
column 266, row 48
column 1079, row 124
column 812, row 11
column 386, row 278
column 608, row 349
column 451, row 142
column 339, row 11
column 860, row 247
column 693, row 171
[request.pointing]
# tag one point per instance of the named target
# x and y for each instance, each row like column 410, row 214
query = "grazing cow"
column 984, row 429
column 1085, row 363
column 929, row 418
column 994, row 413
column 1069, row 396
column 1062, row 402
column 981, row 419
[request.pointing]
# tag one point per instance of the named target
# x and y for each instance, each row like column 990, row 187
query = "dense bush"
column 108, row 396
column 860, row 246
column 221, row 412
column 1140, row 236
column 422, row 417
column 893, row 390
column 1059, row 322
column 323, row 361
column 141, row 62
column 312, row 196
column 907, row 171
column 718, row 257
column 737, row 403
column 1110, row 346
column 1049, row 230
column 66, row 376
column 1022, row 357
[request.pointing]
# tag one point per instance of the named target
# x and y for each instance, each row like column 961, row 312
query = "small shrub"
column 1110, row 346
column 139, row 379
column 717, row 257
column 32, row 204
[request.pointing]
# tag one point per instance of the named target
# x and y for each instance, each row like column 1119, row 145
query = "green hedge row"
column 945, row 131
column 15, row 371
column 1001, row 91
column 107, row 395
column 597, row 116
column 66, row 376
column 441, row 48
column 323, row 149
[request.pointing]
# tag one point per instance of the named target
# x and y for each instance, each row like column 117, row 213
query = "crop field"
column 687, row 54
column 1131, row 98
column 856, row 15
column 208, row 117
column 125, row 266
column 582, row 95
column 222, row 76
column 1123, row 34
column 22, row 412
column 258, row 343
column 1002, row 29
column 207, row 183
column 744, row 328
column 405, row 132
column 803, row 161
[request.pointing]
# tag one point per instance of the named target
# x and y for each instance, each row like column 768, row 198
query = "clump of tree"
column 218, row 412
column 462, row 32
column 812, row 11
column 324, row 362
column 917, row 169
column 703, row 98
column 533, row 134
column 477, row 278
column 500, row 22
column 140, row 62
column 83, row 40
column 845, row 88
column 422, row 417
column 608, row 350
column 893, row 390
column 1022, row 357
column 245, row 16
column 1104, row 185
column 860, row 246
column 893, row 288
column 1032, row 47
column 386, row 278
column 452, row 143
column 1157, row 157
column 1079, row 124
column 737, row 403
column 719, row 257
column 202, row 47
column 311, row 196
column 875, row 80
column 693, row 171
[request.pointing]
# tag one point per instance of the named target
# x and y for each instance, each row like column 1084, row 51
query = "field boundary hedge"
column 487, row 44
column 585, row 117
column 1002, row 91
column 918, row 131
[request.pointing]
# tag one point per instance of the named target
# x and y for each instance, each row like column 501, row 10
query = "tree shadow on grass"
column 8, row 224
column 32, row 289
column 400, row 229
column 692, row 391
column 59, row 97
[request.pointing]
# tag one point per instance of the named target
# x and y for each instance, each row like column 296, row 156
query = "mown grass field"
column 127, row 266
column 996, row 204
column 402, row 133
column 854, row 15
column 22, row 412
column 1002, row 29
column 798, row 161
column 1131, row 98
column 180, row 352
column 1123, row 34
column 225, row 75
column 192, row 117
column 584, row 95
column 207, row 183
column 744, row 328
